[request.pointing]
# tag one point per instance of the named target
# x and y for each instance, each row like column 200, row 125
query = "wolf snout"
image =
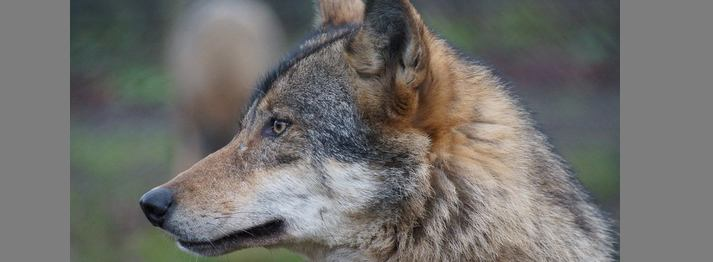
column 156, row 203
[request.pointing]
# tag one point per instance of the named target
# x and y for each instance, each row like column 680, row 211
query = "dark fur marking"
column 286, row 159
column 321, row 213
column 388, row 19
column 323, row 181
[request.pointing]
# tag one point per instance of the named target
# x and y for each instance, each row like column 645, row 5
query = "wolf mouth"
column 262, row 234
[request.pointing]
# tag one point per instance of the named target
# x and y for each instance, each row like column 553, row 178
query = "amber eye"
column 279, row 126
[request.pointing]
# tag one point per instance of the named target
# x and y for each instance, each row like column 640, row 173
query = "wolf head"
column 334, row 146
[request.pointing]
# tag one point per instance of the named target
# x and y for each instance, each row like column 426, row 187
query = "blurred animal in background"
column 376, row 141
column 218, row 50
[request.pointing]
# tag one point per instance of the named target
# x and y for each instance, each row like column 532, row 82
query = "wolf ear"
column 391, row 46
column 339, row 12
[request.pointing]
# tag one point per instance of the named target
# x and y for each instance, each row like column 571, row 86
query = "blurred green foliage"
column 141, row 85
column 561, row 57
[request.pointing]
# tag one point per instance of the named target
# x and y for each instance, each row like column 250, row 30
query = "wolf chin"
column 375, row 141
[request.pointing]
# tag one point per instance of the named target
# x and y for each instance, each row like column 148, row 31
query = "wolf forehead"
column 313, row 43
column 308, row 89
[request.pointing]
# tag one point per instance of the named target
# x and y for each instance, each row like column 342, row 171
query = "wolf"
column 376, row 141
column 216, row 51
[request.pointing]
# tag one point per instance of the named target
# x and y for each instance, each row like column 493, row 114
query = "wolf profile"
column 375, row 141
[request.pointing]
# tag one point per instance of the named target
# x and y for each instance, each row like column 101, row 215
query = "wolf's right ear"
column 339, row 12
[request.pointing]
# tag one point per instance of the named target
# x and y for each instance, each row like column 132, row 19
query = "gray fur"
column 397, row 151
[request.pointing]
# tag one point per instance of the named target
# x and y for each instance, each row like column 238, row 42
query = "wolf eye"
column 277, row 127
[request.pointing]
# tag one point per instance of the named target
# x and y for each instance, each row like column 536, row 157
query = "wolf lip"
column 263, row 234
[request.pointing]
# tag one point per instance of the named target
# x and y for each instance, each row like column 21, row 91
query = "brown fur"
column 481, row 141
column 398, row 151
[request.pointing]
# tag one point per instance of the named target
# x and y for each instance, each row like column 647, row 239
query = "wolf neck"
column 477, row 156
column 494, row 190
column 473, row 180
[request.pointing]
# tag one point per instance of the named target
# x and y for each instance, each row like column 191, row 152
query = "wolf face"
column 373, row 141
column 314, row 160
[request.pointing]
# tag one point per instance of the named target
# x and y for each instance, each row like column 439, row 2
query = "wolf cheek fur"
column 399, row 151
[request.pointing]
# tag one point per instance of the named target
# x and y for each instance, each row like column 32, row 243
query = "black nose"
column 155, row 204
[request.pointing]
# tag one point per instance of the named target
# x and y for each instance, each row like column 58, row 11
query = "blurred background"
column 142, row 71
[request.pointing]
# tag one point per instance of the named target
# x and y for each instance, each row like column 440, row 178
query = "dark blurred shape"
column 218, row 50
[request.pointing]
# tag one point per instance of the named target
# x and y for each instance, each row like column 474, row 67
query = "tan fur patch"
column 340, row 12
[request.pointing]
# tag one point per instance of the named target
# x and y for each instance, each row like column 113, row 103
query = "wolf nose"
column 155, row 204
